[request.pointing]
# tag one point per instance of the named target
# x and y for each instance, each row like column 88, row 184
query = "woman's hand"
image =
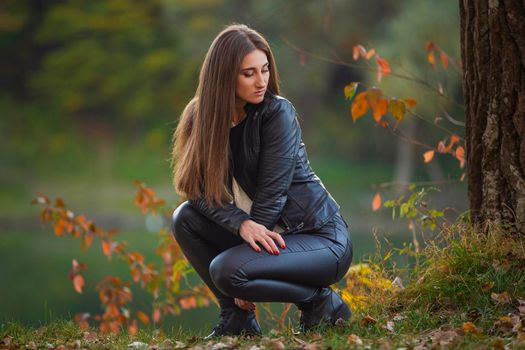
column 244, row 304
column 254, row 233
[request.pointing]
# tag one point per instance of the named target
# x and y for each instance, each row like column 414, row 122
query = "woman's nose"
column 260, row 82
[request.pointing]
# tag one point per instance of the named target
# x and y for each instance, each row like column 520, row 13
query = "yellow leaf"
column 376, row 202
column 428, row 155
column 397, row 108
column 350, row 90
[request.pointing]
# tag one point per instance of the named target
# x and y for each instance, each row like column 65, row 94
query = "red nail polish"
column 277, row 253
column 283, row 246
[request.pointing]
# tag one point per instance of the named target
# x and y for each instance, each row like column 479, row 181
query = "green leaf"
column 350, row 90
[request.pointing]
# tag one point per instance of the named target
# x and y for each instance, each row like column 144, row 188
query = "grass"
column 468, row 291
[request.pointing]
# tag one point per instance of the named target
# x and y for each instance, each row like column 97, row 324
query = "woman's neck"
column 238, row 115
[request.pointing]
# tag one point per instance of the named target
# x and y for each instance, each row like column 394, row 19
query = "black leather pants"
column 232, row 269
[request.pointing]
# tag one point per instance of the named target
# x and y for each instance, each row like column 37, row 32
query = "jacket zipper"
column 296, row 228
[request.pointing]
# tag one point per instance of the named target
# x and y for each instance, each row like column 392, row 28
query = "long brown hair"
column 201, row 139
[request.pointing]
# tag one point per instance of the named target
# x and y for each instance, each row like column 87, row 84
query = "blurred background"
column 91, row 91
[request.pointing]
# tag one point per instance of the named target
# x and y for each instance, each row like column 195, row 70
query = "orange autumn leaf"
column 431, row 58
column 359, row 107
column 188, row 303
column 358, row 50
column 142, row 317
column 370, row 54
column 59, row 227
column 383, row 68
column 156, row 315
column 444, row 59
column 78, row 283
column 428, row 155
column 106, row 248
column 380, row 109
column 133, row 328
column 460, row 155
column 453, row 140
column 373, row 95
column 469, row 327
column 441, row 147
column 410, row 102
column 376, row 202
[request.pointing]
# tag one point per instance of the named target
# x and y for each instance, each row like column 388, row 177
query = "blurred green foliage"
column 90, row 92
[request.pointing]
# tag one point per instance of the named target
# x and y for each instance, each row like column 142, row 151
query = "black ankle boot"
column 325, row 307
column 235, row 321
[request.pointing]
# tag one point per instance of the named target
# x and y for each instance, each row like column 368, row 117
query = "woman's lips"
column 260, row 92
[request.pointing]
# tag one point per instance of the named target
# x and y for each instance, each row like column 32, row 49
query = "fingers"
column 268, row 244
column 278, row 238
column 254, row 245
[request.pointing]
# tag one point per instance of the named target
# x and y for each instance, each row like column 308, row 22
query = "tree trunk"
column 493, row 58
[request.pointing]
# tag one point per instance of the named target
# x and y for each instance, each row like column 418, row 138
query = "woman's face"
column 253, row 77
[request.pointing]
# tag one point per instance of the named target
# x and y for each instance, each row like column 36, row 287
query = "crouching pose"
column 258, row 224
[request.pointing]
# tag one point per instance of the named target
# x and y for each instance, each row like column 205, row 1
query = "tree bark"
column 493, row 58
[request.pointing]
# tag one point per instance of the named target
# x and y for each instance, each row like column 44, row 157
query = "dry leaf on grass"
column 506, row 323
column 440, row 337
column 277, row 345
column 368, row 320
column 501, row 298
column 354, row 340
column 469, row 327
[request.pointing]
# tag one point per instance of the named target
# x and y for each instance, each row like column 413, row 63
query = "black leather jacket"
column 273, row 169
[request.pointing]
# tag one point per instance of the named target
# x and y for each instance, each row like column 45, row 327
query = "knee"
column 224, row 273
column 180, row 218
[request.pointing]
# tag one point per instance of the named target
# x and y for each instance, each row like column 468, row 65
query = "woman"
column 239, row 160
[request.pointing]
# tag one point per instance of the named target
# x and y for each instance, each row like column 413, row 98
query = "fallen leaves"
column 368, row 320
column 501, row 298
column 470, row 328
column 354, row 340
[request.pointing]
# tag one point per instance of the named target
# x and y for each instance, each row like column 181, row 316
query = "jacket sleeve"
column 229, row 216
column 280, row 138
